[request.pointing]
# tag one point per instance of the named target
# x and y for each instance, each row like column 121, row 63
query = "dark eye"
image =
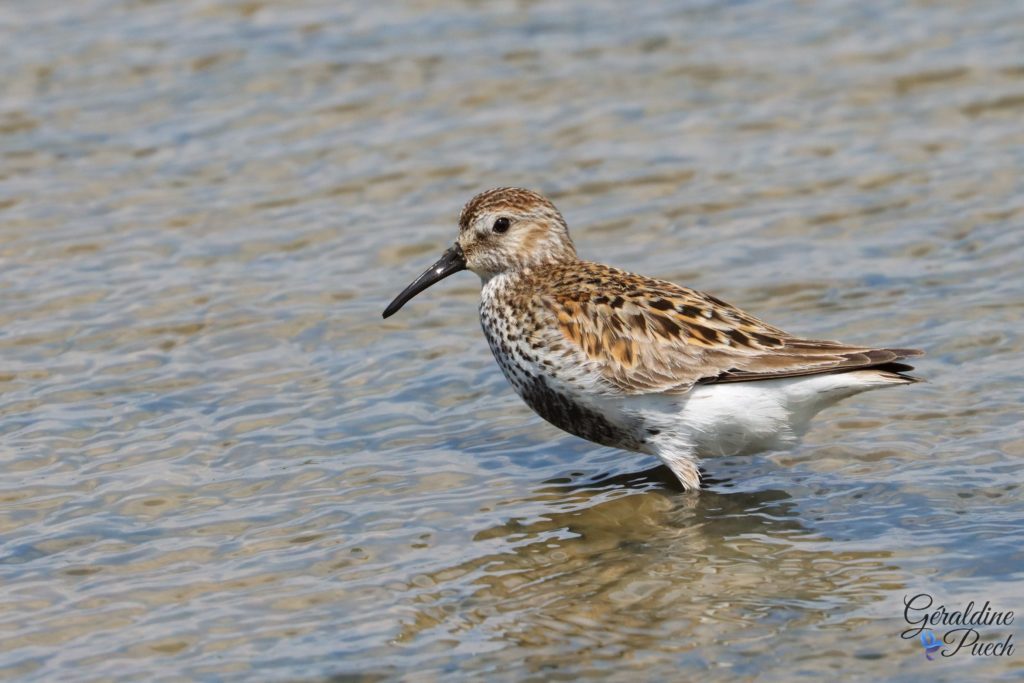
column 501, row 225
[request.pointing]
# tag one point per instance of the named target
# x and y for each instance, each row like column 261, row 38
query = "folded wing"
column 650, row 336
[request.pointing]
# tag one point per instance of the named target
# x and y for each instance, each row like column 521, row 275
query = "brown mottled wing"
column 651, row 336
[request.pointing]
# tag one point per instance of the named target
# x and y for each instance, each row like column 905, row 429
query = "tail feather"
column 896, row 371
column 823, row 358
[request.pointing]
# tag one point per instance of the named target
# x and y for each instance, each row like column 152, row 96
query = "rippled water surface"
column 221, row 464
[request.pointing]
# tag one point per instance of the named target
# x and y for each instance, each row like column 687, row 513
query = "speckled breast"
column 522, row 366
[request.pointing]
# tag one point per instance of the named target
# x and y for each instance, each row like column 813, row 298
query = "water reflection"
column 623, row 563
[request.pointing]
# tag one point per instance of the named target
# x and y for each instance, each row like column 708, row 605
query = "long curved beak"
column 452, row 261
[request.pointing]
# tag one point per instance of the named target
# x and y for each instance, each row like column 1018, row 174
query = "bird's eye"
column 501, row 225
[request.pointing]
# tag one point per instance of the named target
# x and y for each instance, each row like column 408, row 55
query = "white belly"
column 747, row 417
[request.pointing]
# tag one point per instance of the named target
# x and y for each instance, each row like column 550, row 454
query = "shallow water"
column 221, row 464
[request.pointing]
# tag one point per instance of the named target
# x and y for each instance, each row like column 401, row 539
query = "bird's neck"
column 525, row 271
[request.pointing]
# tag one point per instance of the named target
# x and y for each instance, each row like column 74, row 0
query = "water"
column 221, row 464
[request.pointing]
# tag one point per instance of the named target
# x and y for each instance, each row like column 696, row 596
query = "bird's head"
column 502, row 230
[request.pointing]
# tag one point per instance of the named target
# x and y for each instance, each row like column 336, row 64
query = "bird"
column 635, row 362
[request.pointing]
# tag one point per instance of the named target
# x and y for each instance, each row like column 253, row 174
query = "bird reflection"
column 580, row 549
column 653, row 501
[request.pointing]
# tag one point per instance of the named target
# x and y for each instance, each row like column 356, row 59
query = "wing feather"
column 651, row 336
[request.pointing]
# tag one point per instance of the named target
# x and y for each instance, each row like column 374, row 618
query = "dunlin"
column 637, row 363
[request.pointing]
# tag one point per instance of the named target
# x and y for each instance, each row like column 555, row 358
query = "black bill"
column 452, row 261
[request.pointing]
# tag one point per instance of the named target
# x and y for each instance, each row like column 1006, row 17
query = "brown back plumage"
column 652, row 336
